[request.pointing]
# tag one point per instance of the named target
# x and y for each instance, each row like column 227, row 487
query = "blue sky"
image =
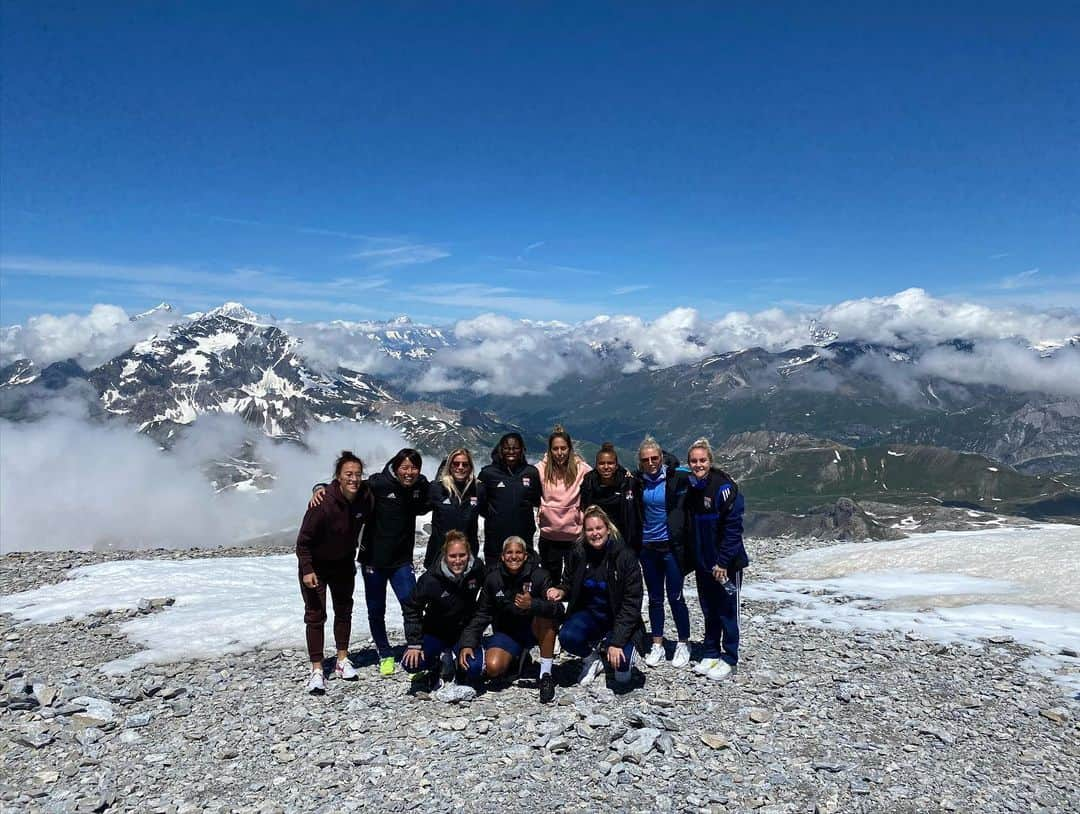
column 556, row 160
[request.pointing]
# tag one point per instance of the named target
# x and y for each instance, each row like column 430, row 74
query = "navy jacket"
column 716, row 508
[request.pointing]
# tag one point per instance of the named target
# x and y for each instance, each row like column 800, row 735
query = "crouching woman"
column 513, row 602
column 602, row 585
column 441, row 605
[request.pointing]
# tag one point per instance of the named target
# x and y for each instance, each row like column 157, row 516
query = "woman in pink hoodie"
column 561, row 472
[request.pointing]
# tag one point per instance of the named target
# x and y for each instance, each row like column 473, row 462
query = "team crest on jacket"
column 708, row 502
column 472, row 500
column 472, row 584
column 415, row 494
column 525, row 480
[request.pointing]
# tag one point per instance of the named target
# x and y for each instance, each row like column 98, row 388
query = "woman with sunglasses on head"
column 511, row 496
column 602, row 588
column 716, row 510
column 456, row 498
column 514, row 603
column 561, row 473
column 611, row 487
column 660, row 490
column 325, row 551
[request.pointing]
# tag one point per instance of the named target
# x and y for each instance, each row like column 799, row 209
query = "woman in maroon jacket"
column 326, row 551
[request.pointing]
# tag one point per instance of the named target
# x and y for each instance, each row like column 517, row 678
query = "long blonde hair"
column 570, row 473
column 447, row 477
column 596, row 511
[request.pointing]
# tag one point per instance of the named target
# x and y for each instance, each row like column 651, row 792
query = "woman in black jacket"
column 512, row 496
column 457, row 499
column 611, row 487
column 514, row 603
column 602, row 585
column 325, row 550
column 441, row 605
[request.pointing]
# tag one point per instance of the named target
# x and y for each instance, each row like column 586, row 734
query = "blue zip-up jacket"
column 715, row 508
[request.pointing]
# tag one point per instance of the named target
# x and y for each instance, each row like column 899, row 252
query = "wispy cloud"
column 629, row 289
column 532, row 247
column 998, row 256
column 1018, row 280
column 410, row 254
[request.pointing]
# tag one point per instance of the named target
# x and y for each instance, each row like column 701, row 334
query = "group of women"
column 605, row 535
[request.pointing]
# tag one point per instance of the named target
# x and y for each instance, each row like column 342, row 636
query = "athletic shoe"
column 656, row 655
column 316, row 684
column 721, row 670
column 547, row 688
column 345, row 671
column 682, row 655
column 705, row 665
column 591, row 667
column 386, row 666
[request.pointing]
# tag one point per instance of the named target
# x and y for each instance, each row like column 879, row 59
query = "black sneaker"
column 547, row 688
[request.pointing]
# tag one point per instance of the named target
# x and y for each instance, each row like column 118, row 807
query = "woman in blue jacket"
column 715, row 509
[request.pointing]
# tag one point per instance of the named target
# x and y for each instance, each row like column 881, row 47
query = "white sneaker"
column 705, row 665
column 721, row 670
column 316, row 684
column 591, row 667
column 345, row 671
column 655, row 655
column 682, row 655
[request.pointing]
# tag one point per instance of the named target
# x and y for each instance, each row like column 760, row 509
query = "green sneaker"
column 386, row 666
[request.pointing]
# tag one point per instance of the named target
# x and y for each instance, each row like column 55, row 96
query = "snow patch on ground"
column 223, row 606
column 951, row 586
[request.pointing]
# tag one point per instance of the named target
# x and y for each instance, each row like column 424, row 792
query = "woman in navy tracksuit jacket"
column 457, row 500
column 715, row 509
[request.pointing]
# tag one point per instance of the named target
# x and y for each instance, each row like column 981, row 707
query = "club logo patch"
column 525, row 481
column 708, row 503
column 472, row 500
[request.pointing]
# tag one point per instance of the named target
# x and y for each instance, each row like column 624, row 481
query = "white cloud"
column 409, row 254
column 91, row 339
column 67, row 483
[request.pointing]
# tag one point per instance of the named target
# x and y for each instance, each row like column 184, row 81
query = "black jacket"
column 676, row 488
column 625, row 591
column 448, row 512
column 618, row 501
column 390, row 535
column 511, row 498
column 330, row 531
column 442, row 605
column 497, row 608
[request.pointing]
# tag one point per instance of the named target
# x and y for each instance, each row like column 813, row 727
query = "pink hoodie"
column 560, row 512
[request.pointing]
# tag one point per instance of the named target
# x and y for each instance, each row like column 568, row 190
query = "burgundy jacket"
column 330, row 531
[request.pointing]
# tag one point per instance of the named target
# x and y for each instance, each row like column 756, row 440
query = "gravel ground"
column 814, row 720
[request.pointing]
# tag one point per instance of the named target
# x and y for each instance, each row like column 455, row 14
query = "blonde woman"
column 602, row 586
column 457, row 500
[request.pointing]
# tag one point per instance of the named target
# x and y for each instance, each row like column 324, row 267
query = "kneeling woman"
column 325, row 549
column 602, row 585
column 513, row 602
column 440, row 607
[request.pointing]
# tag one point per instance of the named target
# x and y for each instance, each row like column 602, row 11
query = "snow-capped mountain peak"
column 234, row 310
